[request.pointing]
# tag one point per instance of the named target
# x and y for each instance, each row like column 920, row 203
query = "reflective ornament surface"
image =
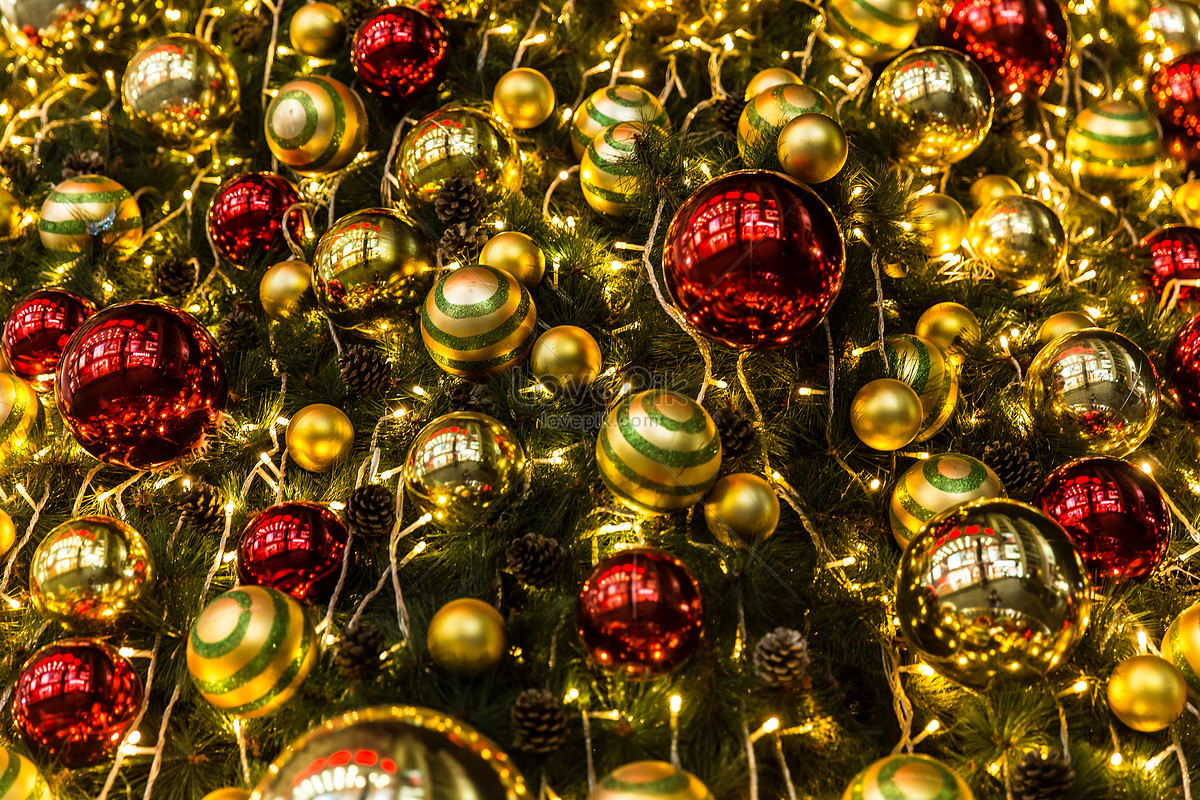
column 949, row 326
column 921, row 365
column 1186, row 202
column 767, row 78
column 523, row 98
column 770, row 110
column 649, row 780
column 1056, row 325
column 319, row 436
column 908, row 777
column 89, row 571
column 1175, row 89
column 140, row 385
column 316, row 125
column 75, row 700
column 478, row 321
column 284, row 288
column 1182, row 364
column 812, row 148
column 620, row 103
column 1020, row 239
column 37, row 329
column 565, row 358
column 296, row 547
column 1174, row 253
column 1181, row 645
column 246, row 217
column 604, row 172
column 1020, row 44
column 741, row 509
column 399, row 52
column 12, row 216
column 1147, row 693
column 992, row 587
column 992, row 187
column 89, row 211
column 640, row 612
column 935, row 484
column 21, row 415
column 180, row 92
column 517, row 254
column 466, row 637
column 1095, row 389
column 396, row 750
column 873, row 30
column 73, row 34
column 1115, row 141
column 22, row 781
column 461, row 466
column 1171, row 29
column 886, row 414
column 229, row 793
column 318, row 30
column 940, row 221
column 8, row 532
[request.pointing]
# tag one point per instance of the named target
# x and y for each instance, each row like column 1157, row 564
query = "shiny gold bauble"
column 741, row 509
column 608, row 185
column 873, row 30
column 935, row 484
column 74, row 34
column 284, row 287
column 949, row 326
column 886, row 414
column 812, row 148
column 940, row 221
column 608, row 106
column 11, row 215
column 765, row 115
column 8, row 532
column 319, row 436
column 22, row 781
column 466, row 637
column 1172, row 29
column 89, row 210
column 315, row 125
column 923, row 366
column 908, row 776
column 517, row 254
column 766, row 78
column 1020, row 239
column 227, row 794
column 992, row 187
column 1114, row 142
column 1181, row 646
column 1186, row 202
column 318, row 30
column 649, row 780
column 478, row 321
column 523, row 98
column 1056, row 325
column 565, row 358
column 1147, row 693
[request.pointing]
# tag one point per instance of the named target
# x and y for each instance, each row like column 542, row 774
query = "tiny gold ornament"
column 11, row 215
column 524, row 98
column 283, row 289
column 318, row 30
column 908, row 777
column 886, row 414
column 949, row 326
column 315, row 125
column 921, row 365
column 1056, row 325
column 87, row 209
column 478, row 321
column 466, row 637
column 319, row 436
column 940, row 221
column 992, row 187
column 565, row 358
column 768, row 78
column 935, row 484
column 1115, row 142
column 649, row 780
column 873, row 30
column 517, row 254
column 741, row 509
column 1186, row 202
column 812, row 148
column 770, row 110
column 229, row 793
column 1147, row 693
column 604, row 173
column 1020, row 239
column 8, row 532
column 620, row 103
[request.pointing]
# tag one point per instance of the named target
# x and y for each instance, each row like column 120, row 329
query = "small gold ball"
column 1063, row 322
column 886, row 414
column 1187, row 202
column 991, row 187
column 524, row 98
column 565, row 357
column 771, row 76
column 8, row 532
column 741, row 509
column 284, row 287
column 941, row 223
column 10, row 215
column 319, row 436
column 227, row 794
column 516, row 254
column 812, row 148
column 466, row 637
column 1147, row 693
column 318, row 30
column 949, row 325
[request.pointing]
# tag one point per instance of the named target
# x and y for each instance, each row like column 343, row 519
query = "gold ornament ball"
column 11, row 215
column 227, row 794
column 565, row 358
column 649, row 780
column 1181, row 646
column 771, row 76
column 318, row 30
column 1056, row 325
column 936, row 484
column 886, row 414
column 8, row 532
column 284, row 287
column 992, row 187
column 812, row 148
column 874, row 30
column 949, row 325
column 1114, row 142
column 517, row 254
column 1147, row 693
column 524, row 98
column 923, row 366
column 909, row 776
column 466, row 637
column 478, row 321
column 940, row 221
column 741, row 509
column 319, row 436
column 1187, row 202
column 1020, row 238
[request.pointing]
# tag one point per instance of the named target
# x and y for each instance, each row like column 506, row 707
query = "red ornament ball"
column 295, row 547
column 245, row 218
column 399, row 52
column 74, row 701
column 754, row 259
column 38, row 328
column 433, row 8
column 1113, row 512
column 1176, row 92
column 1174, row 253
column 640, row 612
column 1183, row 367
column 139, row 385
column 1019, row 44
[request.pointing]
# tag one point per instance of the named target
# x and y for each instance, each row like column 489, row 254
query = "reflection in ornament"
column 295, row 547
column 38, row 328
column 1174, row 253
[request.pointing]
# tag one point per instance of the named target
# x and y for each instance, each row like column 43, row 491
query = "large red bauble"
column 1183, row 367
column 1019, row 44
column 74, row 701
column 38, row 328
column 754, row 259
column 139, row 385
column 1174, row 261
column 399, row 52
column 295, row 547
column 640, row 612
column 245, row 217
column 1176, row 92
column 1114, row 513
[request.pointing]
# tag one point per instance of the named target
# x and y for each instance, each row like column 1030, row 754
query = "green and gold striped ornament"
column 478, row 321
column 644, row 780
column 608, row 106
column 922, row 365
column 1181, row 646
column 658, row 452
column 316, row 125
column 935, row 484
column 21, row 415
column 761, row 119
column 1114, row 141
column 86, row 208
column 250, row 650
column 606, row 173
column 20, row 779
column 873, row 30
column 908, row 777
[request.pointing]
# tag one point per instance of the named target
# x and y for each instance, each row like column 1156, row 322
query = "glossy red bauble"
column 75, row 700
column 399, row 52
column 139, row 385
column 245, row 218
column 1182, row 367
column 38, row 328
column 754, row 259
column 433, row 8
column 1174, row 253
column 1019, row 44
column 1114, row 513
column 295, row 547
column 1175, row 90
column 640, row 612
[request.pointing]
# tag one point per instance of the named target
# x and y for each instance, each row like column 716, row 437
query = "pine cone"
column 535, row 560
column 358, row 12
column 461, row 240
column 239, row 330
column 1013, row 465
column 14, row 165
column 737, row 434
column 365, row 370
column 539, row 722
column 729, row 113
column 1039, row 777
column 247, row 32
column 83, row 162
column 471, row 396
column 371, row 511
column 357, row 654
column 200, row 505
column 781, row 657
column 174, row 276
column 459, row 200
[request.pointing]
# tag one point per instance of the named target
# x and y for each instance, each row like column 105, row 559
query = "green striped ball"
column 21, row 415
column 658, row 452
column 908, row 777
column 89, row 207
column 611, row 105
column 934, row 485
column 643, row 780
column 874, row 30
column 478, row 321
column 1181, row 646
column 1114, row 141
column 20, row 779
column 769, row 111
column 607, row 174
column 922, row 365
column 316, row 125
column 250, row 650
